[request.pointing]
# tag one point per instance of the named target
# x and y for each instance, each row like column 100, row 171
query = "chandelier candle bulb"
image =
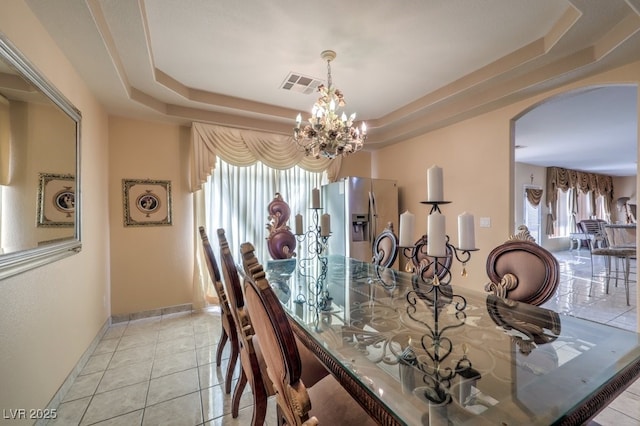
column 325, row 225
column 466, row 232
column 407, row 221
column 436, row 236
column 299, row 224
column 315, row 198
column 434, row 184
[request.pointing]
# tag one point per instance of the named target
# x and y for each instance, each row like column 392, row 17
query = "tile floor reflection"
column 583, row 296
column 162, row 370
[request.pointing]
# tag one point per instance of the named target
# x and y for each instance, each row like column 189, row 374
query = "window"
column 585, row 208
column 237, row 199
column 532, row 218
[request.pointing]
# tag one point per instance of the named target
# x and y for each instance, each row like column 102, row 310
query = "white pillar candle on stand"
column 299, row 224
column 466, row 232
column 436, row 236
column 407, row 221
column 315, row 198
column 325, row 225
column 434, row 184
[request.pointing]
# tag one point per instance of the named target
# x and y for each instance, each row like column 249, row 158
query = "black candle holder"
column 435, row 270
column 312, row 269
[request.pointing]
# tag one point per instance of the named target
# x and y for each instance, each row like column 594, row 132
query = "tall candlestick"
column 407, row 221
column 299, row 224
column 315, row 198
column 325, row 225
column 466, row 232
column 434, row 184
column 436, row 237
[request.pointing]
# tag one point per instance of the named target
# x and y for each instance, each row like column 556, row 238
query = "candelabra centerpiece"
column 429, row 355
column 312, row 265
column 329, row 133
column 432, row 255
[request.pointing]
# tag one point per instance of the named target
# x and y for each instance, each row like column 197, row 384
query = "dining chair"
column 249, row 351
column 592, row 230
column 605, row 244
column 420, row 259
column 325, row 402
column 385, row 247
column 228, row 324
column 521, row 270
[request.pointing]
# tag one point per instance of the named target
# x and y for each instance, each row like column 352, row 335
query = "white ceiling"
column 406, row 67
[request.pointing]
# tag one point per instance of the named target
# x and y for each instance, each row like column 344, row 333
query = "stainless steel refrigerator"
column 360, row 208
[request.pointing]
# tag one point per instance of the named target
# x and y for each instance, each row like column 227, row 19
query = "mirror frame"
column 24, row 260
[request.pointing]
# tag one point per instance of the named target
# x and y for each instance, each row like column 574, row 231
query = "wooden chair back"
column 521, row 270
column 229, row 332
column 385, row 247
column 249, row 349
column 278, row 343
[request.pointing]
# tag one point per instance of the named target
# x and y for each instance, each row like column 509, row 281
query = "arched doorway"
column 591, row 129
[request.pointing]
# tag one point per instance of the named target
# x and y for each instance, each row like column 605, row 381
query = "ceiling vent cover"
column 297, row 82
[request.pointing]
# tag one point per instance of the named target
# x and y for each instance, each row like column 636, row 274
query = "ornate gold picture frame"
column 146, row 202
column 56, row 201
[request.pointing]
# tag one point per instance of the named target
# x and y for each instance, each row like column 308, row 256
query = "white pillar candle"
column 434, row 184
column 325, row 225
column 466, row 232
column 315, row 198
column 436, row 236
column 299, row 224
column 407, row 221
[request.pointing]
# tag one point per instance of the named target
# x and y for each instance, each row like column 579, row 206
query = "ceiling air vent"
column 297, row 82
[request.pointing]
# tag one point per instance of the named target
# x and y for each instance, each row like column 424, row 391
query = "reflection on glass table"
column 413, row 353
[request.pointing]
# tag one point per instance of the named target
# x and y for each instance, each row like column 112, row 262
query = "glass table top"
column 439, row 354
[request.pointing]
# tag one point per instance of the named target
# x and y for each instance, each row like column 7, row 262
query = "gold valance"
column 246, row 147
column 565, row 179
column 558, row 177
column 534, row 195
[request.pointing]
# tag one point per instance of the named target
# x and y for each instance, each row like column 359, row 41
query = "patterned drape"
column 245, row 147
column 565, row 179
column 534, row 195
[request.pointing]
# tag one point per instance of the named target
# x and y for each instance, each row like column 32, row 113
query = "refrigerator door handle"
column 374, row 216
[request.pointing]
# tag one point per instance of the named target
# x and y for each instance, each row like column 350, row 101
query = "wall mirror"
column 39, row 167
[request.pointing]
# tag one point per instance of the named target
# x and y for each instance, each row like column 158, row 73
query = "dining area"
column 410, row 350
column 406, row 353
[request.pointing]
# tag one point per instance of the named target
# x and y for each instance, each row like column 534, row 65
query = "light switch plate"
column 485, row 222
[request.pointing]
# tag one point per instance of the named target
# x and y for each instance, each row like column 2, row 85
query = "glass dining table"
column 414, row 353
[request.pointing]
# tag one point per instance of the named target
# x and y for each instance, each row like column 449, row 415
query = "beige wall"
column 474, row 181
column 50, row 315
column 356, row 165
column 151, row 267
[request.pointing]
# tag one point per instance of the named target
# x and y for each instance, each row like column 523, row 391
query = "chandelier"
column 329, row 133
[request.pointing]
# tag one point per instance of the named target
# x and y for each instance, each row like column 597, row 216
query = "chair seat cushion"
column 332, row 405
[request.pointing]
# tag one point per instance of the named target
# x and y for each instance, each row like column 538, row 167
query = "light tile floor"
column 573, row 298
column 161, row 370
column 156, row 371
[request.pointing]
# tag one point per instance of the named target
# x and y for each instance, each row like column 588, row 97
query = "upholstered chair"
column 228, row 324
column 521, row 270
column 385, row 247
column 325, row 402
column 592, row 230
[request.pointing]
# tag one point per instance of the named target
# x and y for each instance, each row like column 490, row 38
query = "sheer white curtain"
column 244, row 170
column 236, row 200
